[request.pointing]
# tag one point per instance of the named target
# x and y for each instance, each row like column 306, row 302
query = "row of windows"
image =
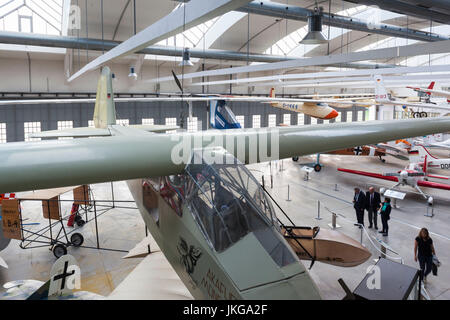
column 2, row 132
column 272, row 119
column 192, row 123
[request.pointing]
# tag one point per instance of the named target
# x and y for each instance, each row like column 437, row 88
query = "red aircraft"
column 414, row 175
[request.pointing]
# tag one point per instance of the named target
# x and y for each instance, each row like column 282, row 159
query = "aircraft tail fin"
column 272, row 95
column 272, row 92
column 424, row 153
column 221, row 116
column 105, row 110
column 64, row 278
column 381, row 94
column 431, row 85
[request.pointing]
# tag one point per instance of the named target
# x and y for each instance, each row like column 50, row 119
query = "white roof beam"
column 328, row 74
column 411, row 79
column 190, row 14
column 376, row 54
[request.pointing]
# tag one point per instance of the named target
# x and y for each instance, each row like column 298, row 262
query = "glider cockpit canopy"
column 229, row 204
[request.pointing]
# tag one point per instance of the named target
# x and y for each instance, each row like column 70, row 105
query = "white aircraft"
column 314, row 109
column 65, row 277
column 382, row 97
column 412, row 175
column 430, row 161
column 65, row 281
column 433, row 141
column 433, row 92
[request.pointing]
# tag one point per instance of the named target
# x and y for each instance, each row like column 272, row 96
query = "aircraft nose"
column 333, row 114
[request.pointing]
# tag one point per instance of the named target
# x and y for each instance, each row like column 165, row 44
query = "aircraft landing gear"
column 420, row 114
column 382, row 160
column 59, row 250
column 79, row 221
column 76, row 239
column 316, row 165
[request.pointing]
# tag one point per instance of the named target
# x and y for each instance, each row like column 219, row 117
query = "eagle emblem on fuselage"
column 189, row 255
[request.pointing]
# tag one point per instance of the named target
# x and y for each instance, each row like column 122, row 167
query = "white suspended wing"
column 58, row 163
column 187, row 99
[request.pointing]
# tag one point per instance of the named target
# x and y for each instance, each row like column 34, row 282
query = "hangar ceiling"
column 240, row 32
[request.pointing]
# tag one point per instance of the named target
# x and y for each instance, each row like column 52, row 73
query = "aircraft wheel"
column 383, row 160
column 423, row 114
column 416, row 114
column 76, row 239
column 317, row 167
column 59, row 250
column 295, row 158
column 79, row 221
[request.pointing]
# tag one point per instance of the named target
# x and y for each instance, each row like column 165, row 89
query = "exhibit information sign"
column 11, row 219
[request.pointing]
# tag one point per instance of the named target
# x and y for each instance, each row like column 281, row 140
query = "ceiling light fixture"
column 186, row 58
column 314, row 35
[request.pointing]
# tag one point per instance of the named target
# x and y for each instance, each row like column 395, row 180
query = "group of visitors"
column 371, row 201
column 424, row 252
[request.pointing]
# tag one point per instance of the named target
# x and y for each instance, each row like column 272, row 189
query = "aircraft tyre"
column 80, row 222
column 317, row 167
column 76, row 239
column 59, row 250
column 295, row 158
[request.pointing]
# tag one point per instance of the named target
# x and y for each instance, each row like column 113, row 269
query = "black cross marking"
column 357, row 151
column 64, row 275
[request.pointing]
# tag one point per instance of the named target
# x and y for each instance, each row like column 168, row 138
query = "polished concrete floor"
column 334, row 190
column 102, row 270
column 122, row 229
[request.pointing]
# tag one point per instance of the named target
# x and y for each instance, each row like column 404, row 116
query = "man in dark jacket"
column 359, row 203
column 373, row 204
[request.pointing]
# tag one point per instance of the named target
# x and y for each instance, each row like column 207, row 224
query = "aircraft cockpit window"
column 228, row 203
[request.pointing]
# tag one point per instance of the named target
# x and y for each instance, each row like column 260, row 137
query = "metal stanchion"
column 333, row 223
column 288, row 198
column 96, row 225
column 362, row 232
column 263, row 185
column 336, row 187
column 146, row 235
column 306, row 177
column 394, row 203
column 430, row 210
column 271, row 182
column 318, row 211
column 112, row 195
